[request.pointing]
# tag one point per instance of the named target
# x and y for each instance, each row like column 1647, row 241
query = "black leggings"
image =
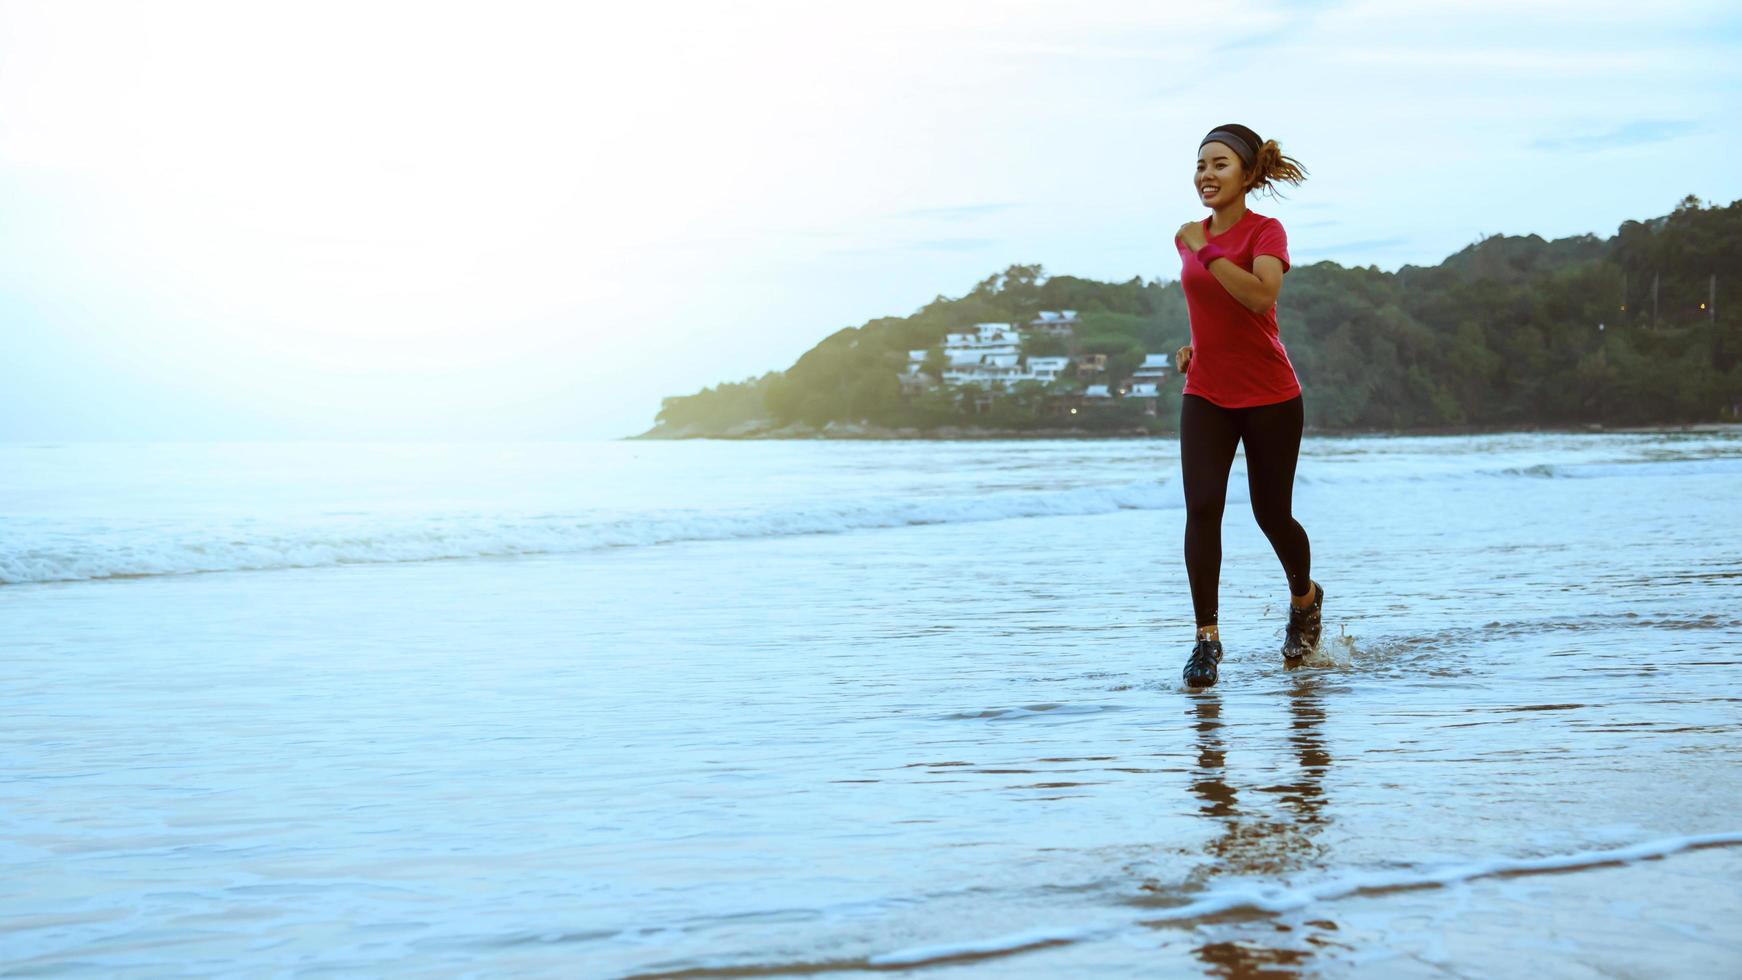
column 1208, row 434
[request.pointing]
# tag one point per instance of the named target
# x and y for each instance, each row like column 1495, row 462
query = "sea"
column 713, row 708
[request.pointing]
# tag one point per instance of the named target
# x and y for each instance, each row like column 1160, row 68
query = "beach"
column 704, row 708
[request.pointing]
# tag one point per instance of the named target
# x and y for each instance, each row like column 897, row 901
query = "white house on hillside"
column 1154, row 368
column 989, row 352
column 992, row 352
column 1058, row 323
column 983, row 337
column 1047, row 368
column 1003, row 366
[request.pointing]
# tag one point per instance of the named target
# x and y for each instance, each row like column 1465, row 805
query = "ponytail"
column 1272, row 167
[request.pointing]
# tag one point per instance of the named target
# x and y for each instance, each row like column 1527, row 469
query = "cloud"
column 1635, row 133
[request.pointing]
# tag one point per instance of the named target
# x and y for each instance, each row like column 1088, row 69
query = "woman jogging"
column 1240, row 386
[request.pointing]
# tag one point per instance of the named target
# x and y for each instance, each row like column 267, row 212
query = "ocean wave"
column 61, row 554
column 1264, row 896
column 1630, row 468
column 46, row 551
column 1430, row 470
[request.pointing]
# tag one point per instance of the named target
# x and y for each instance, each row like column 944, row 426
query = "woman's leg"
column 1272, row 436
column 1208, row 436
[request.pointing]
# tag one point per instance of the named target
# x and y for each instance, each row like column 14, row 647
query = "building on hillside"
column 1005, row 367
column 985, row 337
column 1154, row 368
column 988, row 358
column 1055, row 323
column 990, row 352
column 1060, row 404
column 1146, row 392
column 1048, row 368
column 1089, row 365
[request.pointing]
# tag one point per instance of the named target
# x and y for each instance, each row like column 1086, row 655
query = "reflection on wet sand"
column 1258, row 839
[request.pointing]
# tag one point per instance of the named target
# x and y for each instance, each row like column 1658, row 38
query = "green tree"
column 1502, row 332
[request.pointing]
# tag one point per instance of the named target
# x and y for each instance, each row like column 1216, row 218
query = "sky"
column 427, row 221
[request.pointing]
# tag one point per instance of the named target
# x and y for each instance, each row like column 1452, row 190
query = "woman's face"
column 1220, row 177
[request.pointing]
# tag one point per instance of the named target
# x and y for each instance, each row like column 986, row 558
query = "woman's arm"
column 1256, row 290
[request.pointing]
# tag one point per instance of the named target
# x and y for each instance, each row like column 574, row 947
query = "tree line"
column 1511, row 331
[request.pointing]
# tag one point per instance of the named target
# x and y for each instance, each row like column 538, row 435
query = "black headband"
column 1240, row 144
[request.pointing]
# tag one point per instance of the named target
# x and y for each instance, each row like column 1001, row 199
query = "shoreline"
column 852, row 430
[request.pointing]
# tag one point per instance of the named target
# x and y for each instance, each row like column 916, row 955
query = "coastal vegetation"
column 1511, row 331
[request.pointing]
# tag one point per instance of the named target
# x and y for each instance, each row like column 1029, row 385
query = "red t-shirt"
column 1237, row 359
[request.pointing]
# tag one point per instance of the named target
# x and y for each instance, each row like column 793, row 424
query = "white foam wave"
column 1378, row 470
column 61, row 554
column 1265, row 896
column 67, row 552
column 1630, row 468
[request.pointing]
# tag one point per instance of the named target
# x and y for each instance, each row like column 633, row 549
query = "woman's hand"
column 1192, row 233
column 1183, row 357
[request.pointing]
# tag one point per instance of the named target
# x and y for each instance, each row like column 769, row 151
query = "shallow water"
column 726, row 709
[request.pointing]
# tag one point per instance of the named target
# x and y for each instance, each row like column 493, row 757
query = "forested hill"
column 1638, row 328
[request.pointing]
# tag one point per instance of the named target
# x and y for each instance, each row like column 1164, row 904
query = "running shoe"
column 1201, row 668
column 1303, row 628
